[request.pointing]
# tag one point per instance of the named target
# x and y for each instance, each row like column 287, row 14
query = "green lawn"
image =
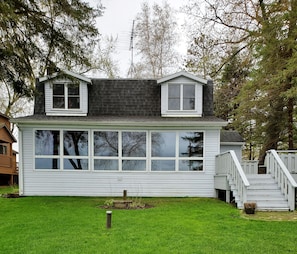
column 173, row 225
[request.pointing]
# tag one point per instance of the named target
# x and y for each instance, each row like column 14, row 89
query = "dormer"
column 182, row 95
column 66, row 94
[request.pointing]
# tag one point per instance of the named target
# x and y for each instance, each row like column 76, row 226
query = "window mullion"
column 176, row 151
column 66, row 96
column 149, row 152
column 120, row 156
column 61, row 149
column 181, row 97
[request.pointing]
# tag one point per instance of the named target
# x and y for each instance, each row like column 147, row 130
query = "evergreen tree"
column 267, row 30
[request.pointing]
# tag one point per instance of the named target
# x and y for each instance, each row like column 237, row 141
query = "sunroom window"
column 66, row 150
column 119, row 150
column 66, row 96
column 181, row 151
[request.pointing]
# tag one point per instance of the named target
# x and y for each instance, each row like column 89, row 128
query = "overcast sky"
column 117, row 21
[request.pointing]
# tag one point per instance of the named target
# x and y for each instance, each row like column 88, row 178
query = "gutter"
column 116, row 123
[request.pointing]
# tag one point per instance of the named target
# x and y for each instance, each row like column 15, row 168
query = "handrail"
column 282, row 176
column 239, row 169
column 227, row 163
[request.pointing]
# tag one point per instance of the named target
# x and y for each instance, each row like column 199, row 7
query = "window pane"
column 174, row 91
column 188, row 104
column 75, row 163
column 134, row 144
column 174, row 97
column 73, row 102
column 47, row 142
column 191, row 144
column 163, row 165
column 73, row 89
column 58, row 89
column 47, row 163
column 163, row 144
column 76, row 143
column 189, row 91
column 58, row 102
column 106, row 165
column 188, row 97
column 173, row 104
column 190, row 165
column 106, row 143
column 134, row 165
column 73, row 96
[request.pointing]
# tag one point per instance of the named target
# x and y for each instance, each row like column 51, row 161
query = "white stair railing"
column 282, row 176
column 228, row 164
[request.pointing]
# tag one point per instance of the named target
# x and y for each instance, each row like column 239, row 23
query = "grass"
column 173, row 225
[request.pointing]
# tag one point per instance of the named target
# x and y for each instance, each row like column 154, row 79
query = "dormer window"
column 181, row 97
column 66, row 96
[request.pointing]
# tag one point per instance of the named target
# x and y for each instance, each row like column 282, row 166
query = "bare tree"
column 156, row 36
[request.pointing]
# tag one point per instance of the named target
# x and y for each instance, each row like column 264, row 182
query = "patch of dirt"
column 271, row 216
column 136, row 207
column 125, row 204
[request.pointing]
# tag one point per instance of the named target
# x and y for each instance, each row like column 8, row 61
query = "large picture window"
column 163, row 151
column 119, row 150
column 177, row 151
column 131, row 156
column 106, row 150
column 48, row 147
column 75, row 149
column 134, row 151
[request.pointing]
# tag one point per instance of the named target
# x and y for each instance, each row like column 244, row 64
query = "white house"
column 98, row 137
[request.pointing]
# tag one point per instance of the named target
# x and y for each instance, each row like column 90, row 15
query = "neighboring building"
column 8, row 166
column 98, row 137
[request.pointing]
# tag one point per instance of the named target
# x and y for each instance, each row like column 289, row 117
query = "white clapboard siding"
column 93, row 183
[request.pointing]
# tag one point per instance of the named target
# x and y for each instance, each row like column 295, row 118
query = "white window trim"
column 66, row 96
column 61, row 156
column 197, row 112
column 91, row 157
column 49, row 107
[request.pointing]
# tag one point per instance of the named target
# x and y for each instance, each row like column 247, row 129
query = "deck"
column 243, row 182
